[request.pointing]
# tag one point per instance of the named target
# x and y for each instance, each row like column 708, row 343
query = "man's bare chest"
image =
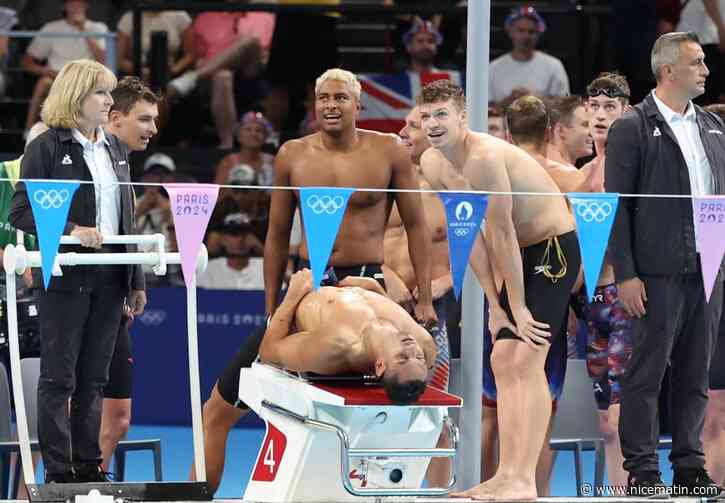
column 369, row 171
column 359, row 172
column 452, row 179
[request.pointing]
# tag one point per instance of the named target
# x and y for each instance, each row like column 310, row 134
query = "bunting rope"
column 362, row 189
column 323, row 209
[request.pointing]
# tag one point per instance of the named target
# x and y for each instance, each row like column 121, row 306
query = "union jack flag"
column 387, row 98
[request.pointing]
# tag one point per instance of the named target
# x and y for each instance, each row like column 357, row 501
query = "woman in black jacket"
column 80, row 312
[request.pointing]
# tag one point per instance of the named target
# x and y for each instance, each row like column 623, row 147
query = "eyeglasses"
column 609, row 92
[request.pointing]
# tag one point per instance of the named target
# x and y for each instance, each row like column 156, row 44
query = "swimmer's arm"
column 593, row 173
column 480, row 262
column 430, row 169
column 490, row 174
column 276, row 245
column 279, row 328
column 410, row 207
column 569, row 180
column 316, row 351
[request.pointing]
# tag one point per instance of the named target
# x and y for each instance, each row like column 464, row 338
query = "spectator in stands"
column 225, row 205
column 237, row 269
column 571, row 137
column 177, row 26
column 253, row 131
column 8, row 19
column 227, row 45
column 276, row 107
column 496, row 121
column 309, row 123
column 35, row 13
column 706, row 18
column 251, row 202
column 421, row 43
column 525, row 70
column 47, row 55
column 153, row 209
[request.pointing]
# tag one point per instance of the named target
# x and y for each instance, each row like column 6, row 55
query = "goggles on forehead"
column 609, row 92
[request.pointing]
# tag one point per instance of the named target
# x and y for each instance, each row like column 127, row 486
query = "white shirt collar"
column 86, row 143
column 670, row 115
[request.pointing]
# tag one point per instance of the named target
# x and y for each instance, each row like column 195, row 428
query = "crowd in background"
column 249, row 75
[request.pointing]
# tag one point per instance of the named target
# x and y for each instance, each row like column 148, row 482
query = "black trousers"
column 680, row 328
column 77, row 336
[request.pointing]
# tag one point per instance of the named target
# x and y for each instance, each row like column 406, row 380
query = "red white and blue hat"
column 420, row 26
column 529, row 12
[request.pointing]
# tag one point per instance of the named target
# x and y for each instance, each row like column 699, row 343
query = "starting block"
column 342, row 441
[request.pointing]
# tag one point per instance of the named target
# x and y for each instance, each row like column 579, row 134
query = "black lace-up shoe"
column 696, row 483
column 60, row 478
column 91, row 473
column 646, row 484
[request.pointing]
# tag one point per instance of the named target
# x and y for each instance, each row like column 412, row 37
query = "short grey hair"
column 666, row 50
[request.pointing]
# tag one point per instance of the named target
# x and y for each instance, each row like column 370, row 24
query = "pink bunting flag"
column 709, row 214
column 191, row 206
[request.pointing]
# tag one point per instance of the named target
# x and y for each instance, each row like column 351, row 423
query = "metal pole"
column 15, row 371
column 477, row 53
column 112, row 52
column 194, row 385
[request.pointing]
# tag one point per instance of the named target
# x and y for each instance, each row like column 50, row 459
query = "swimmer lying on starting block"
column 351, row 328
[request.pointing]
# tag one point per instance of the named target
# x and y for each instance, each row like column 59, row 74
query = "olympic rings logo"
column 152, row 317
column 51, row 198
column 594, row 211
column 325, row 204
column 461, row 232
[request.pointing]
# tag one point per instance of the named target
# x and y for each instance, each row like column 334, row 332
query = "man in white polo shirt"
column 238, row 269
column 525, row 70
column 46, row 55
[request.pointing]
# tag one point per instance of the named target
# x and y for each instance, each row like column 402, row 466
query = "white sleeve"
column 205, row 280
column 560, row 81
column 124, row 24
column 491, row 85
column 41, row 47
column 98, row 27
column 182, row 20
column 257, row 266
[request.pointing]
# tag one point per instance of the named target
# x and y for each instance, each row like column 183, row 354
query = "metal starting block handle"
column 17, row 258
column 346, row 453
